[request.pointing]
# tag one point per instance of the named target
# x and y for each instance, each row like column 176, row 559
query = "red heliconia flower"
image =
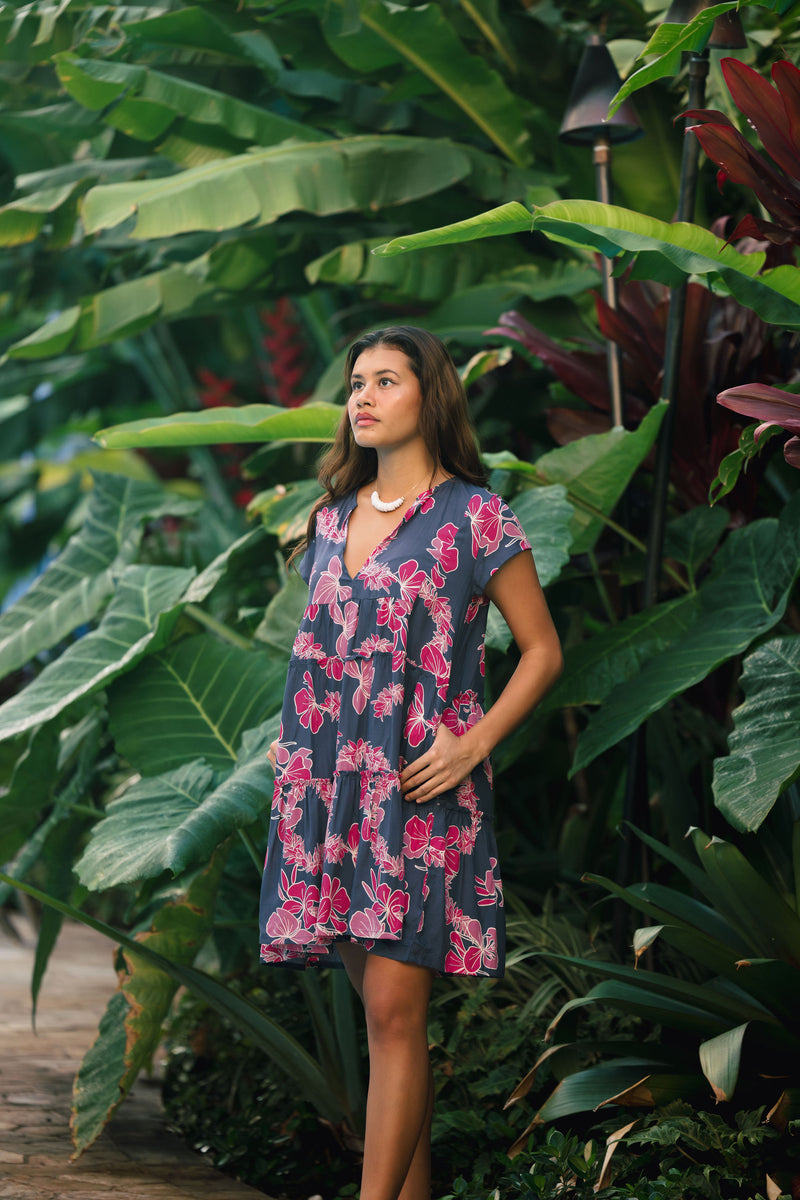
column 215, row 390
column 771, row 406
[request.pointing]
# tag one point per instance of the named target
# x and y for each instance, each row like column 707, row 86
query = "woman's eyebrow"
column 379, row 371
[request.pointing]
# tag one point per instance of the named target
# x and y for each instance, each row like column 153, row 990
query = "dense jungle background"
column 200, row 206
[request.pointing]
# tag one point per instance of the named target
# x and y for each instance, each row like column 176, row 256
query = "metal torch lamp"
column 587, row 123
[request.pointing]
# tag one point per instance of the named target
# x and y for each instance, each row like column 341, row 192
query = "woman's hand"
column 449, row 760
column 271, row 755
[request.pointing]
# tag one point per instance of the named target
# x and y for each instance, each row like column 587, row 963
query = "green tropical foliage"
column 730, row 1028
column 199, row 207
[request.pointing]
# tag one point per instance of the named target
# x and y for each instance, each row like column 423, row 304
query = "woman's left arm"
column 516, row 591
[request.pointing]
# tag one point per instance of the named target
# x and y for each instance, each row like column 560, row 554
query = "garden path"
column 136, row 1158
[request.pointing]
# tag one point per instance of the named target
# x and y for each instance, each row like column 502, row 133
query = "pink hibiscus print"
column 443, row 549
column 416, row 725
column 486, row 522
column 306, row 706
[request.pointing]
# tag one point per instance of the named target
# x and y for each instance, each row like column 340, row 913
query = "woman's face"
column 385, row 399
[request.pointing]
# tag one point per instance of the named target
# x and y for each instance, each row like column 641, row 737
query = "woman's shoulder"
column 473, row 496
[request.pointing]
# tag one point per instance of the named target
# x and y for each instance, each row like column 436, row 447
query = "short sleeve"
column 496, row 536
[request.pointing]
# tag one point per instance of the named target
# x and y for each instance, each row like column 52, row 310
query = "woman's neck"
column 399, row 474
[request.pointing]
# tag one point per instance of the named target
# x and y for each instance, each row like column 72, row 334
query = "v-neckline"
column 409, row 512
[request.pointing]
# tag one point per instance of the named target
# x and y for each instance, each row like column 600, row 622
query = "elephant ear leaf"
column 130, row 1030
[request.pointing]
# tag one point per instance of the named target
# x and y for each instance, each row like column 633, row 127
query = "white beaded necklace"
column 385, row 506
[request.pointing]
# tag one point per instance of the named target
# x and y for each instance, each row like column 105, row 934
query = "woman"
column 381, row 853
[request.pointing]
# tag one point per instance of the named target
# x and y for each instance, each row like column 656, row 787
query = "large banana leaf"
column 764, row 746
column 258, row 187
column 497, row 222
column 251, row 423
column 176, row 820
column 774, row 294
column 139, row 619
column 426, row 39
column 144, row 103
column 669, row 250
column 180, row 290
column 194, row 28
column 745, row 597
column 270, row 1037
column 130, row 1032
column 438, row 272
column 670, row 40
column 74, row 587
column 193, row 701
column 22, row 220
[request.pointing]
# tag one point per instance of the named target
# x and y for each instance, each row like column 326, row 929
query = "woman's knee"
column 396, row 1000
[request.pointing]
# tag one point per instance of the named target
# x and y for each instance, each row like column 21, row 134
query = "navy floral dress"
column 378, row 662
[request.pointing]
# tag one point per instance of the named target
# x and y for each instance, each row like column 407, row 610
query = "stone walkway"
column 136, row 1158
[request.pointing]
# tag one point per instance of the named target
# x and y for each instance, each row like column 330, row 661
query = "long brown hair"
column 444, row 421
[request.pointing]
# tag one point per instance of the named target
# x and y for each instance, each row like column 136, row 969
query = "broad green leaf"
column 143, row 103
column 139, row 619
column 508, row 218
column 132, row 841
column 194, row 700
column 266, row 1034
column 720, row 1058
column 692, row 538
column 258, row 187
column 176, row 820
column 30, row 789
column 596, row 470
column 430, row 275
column 670, row 40
column 426, row 39
column 96, row 1085
column 197, row 29
column 180, row 290
column 240, row 550
column 594, row 667
column 78, row 583
column 651, row 1005
column 283, row 614
column 773, row 294
column 588, row 1090
column 178, row 932
column 285, row 510
column 735, row 1007
column 546, row 515
column 22, row 220
column 210, row 426
column 745, row 597
column 764, row 746
column 751, row 904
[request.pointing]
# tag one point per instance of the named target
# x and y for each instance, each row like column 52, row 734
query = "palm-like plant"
column 732, row 1032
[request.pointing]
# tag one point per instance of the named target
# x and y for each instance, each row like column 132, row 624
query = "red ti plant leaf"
column 774, row 112
column 768, row 111
column 771, row 406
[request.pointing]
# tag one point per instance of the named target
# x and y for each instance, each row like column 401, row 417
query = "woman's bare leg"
column 400, row 1097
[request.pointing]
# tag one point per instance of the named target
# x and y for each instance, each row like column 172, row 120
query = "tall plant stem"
column 635, row 800
column 698, row 72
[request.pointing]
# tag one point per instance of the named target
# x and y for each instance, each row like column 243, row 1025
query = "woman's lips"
column 366, row 421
